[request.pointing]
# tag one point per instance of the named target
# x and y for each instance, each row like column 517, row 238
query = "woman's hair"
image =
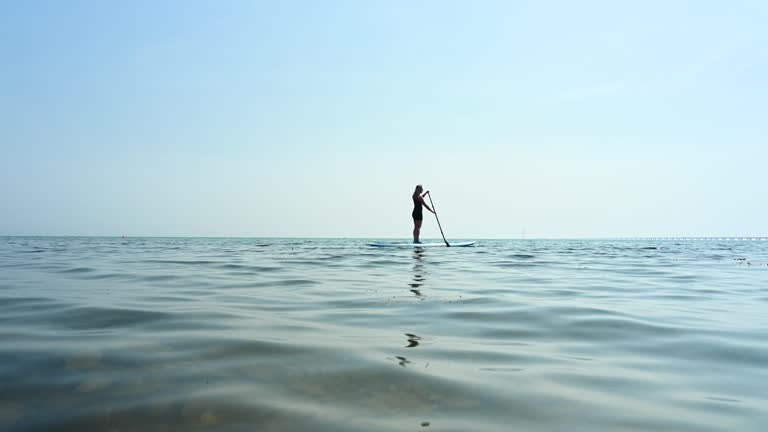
column 418, row 190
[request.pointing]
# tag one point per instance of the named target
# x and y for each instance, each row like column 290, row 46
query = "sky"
column 535, row 119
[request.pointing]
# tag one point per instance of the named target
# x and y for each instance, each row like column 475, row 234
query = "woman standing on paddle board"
column 418, row 217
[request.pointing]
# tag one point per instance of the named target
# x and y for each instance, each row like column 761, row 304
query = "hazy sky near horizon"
column 304, row 118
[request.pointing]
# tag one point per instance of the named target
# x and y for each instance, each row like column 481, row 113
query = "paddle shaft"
column 438, row 220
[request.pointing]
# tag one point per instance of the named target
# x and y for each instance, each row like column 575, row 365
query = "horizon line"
column 652, row 237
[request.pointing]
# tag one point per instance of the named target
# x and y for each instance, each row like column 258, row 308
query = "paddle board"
column 419, row 245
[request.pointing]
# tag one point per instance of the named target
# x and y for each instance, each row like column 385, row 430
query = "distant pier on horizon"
column 698, row 238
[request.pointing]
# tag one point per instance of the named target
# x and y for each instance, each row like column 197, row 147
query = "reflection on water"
column 100, row 334
column 418, row 293
column 418, row 273
column 413, row 340
column 402, row 361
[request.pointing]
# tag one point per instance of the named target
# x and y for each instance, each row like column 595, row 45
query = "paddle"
column 438, row 220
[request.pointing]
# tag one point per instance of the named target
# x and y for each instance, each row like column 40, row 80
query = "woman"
column 418, row 217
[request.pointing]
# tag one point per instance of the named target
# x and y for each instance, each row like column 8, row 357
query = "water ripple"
column 331, row 335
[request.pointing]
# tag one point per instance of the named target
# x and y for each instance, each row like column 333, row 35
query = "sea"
column 261, row 334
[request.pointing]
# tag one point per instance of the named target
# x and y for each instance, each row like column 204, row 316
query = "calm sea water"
column 176, row 334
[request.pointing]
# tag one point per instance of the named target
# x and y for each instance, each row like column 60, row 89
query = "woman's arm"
column 425, row 204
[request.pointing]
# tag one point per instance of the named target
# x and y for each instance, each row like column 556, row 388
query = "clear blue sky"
column 309, row 118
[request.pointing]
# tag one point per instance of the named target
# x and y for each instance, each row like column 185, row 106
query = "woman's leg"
column 416, row 230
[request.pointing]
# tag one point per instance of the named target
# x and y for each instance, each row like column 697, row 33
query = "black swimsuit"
column 417, row 210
